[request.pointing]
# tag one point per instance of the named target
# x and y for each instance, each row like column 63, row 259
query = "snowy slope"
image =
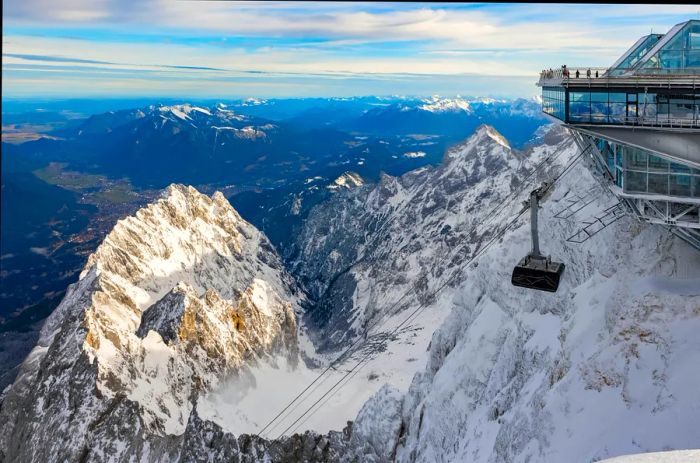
column 672, row 456
column 365, row 248
column 606, row 366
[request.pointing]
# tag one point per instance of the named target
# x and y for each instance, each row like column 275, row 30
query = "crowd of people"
column 565, row 72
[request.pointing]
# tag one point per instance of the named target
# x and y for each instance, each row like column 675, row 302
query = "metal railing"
column 597, row 76
column 573, row 73
column 645, row 121
column 679, row 123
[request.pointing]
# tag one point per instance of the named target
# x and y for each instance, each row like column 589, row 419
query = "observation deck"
column 638, row 122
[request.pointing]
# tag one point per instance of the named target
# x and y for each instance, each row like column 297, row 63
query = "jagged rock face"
column 205, row 442
column 599, row 369
column 366, row 247
column 176, row 298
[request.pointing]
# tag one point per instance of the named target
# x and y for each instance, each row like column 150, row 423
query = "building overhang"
column 677, row 146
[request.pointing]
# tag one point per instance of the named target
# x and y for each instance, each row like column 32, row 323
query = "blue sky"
column 203, row 49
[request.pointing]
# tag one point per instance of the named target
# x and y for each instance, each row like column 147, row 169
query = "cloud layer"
column 296, row 48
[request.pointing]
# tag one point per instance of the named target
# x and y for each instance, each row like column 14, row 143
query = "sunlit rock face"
column 176, row 299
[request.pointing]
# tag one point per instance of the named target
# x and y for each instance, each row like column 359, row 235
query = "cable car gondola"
column 536, row 271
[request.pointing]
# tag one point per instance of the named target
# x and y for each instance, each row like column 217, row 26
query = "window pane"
column 635, row 182
column 658, row 184
column 679, row 168
column 658, row 164
column 680, row 185
column 618, row 97
column 636, row 159
column 618, row 111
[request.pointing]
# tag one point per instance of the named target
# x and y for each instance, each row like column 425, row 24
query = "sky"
column 222, row 49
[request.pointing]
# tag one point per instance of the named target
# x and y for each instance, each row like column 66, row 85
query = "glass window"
column 635, row 182
column 679, row 168
column 599, row 112
column 681, row 108
column 658, row 164
column 618, row 112
column 642, row 48
column 636, row 159
column 618, row 97
column 680, row 53
column 579, row 97
column 647, row 107
column 618, row 154
column 553, row 101
column 658, row 184
column 679, row 185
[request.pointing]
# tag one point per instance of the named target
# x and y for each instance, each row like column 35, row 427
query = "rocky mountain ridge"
column 365, row 246
column 177, row 298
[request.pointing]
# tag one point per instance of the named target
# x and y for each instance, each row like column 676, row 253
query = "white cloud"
column 353, row 38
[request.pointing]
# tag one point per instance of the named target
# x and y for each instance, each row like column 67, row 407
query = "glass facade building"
column 611, row 107
column 638, row 123
column 656, row 82
column 638, row 171
column 622, row 107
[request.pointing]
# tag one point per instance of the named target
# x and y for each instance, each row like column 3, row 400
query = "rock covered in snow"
column 437, row 104
column 365, row 247
column 347, row 180
column 186, row 293
column 671, row 456
column 603, row 367
column 176, row 298
column 374, row 437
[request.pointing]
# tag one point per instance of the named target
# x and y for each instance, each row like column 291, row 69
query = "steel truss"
column 681, row 217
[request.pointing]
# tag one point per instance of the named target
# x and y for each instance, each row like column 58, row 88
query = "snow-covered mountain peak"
column 253, row 102
column 192, row 266
column 167, row 236
column 485, row 100
column 347, row 180
column 178, row 297
column 598, row 369
column 193, row 115
column 437, row 104
column 183, row 111
column 497, row 137
column 485, row 151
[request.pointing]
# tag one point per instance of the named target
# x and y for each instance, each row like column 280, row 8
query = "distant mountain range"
column 273, row 159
